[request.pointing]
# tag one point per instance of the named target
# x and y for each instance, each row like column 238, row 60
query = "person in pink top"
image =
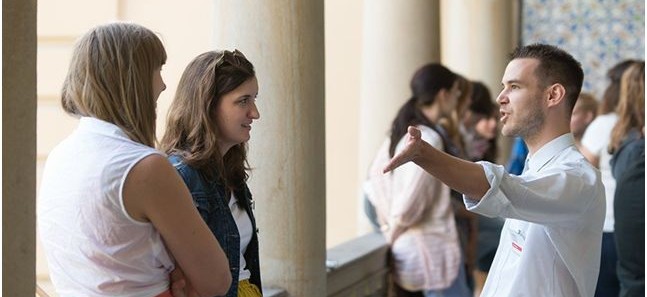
column 413, row 208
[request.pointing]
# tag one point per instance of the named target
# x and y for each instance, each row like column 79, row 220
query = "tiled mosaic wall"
column 598, row 33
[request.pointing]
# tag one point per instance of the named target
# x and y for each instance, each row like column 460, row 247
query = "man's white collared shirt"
column 550, row 242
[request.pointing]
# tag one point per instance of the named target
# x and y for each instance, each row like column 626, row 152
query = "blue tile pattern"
column 599, row 33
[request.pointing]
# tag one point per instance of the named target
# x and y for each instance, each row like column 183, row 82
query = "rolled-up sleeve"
column 492, row 203
column 556, row 195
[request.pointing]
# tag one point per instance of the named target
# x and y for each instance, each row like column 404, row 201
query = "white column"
column 285, row 42
column 19, row 147
column 399, row 37
column 477, row 36
column 343, row 26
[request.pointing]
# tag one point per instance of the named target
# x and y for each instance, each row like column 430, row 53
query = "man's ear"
column 556, row 94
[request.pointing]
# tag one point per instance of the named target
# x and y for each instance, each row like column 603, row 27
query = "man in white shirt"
column 550, row 243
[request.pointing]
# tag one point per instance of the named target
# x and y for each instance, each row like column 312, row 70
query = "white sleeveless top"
column 93, row 247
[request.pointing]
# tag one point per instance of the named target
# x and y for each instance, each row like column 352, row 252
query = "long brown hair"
column 451, row 123
column 111, row 78
column 611, row 95
column 482, row 107
column 192, row 131
column 631, row 107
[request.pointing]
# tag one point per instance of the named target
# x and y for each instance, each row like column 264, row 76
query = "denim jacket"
column 209, row 198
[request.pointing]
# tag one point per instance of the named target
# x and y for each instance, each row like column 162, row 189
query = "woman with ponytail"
column 413, row 208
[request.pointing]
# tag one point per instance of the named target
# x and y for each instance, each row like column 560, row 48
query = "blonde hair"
column 192, row 131
column 111, row 78
column 587, row 102
column 631, row 107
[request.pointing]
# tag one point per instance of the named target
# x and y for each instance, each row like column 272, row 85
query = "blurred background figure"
column 413, row 208
column 466, row 221
column 479, row 130
column 452, row 124
column 628, row 164
column 480, row 125
column 595, row 143
column 584, row 112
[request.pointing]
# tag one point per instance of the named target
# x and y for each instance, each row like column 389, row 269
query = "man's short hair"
column 555, row 66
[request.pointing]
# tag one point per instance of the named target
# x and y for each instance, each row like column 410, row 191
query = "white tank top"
column 93, row 247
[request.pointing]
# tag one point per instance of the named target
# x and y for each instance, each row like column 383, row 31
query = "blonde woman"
column 113, row 215
column 209, row 124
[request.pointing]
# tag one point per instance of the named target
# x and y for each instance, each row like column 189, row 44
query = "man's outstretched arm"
column 463, row 176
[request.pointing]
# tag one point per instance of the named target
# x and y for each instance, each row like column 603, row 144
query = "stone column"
column 399, row 37
column 285, row 42
column 19, row 147
column 477, row 37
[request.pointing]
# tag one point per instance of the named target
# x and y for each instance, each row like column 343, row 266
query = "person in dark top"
column 628, row 167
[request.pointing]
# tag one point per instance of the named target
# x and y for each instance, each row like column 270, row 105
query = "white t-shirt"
column 550, row 242
column 93, row 247
column 244, row 225
column 596, row 140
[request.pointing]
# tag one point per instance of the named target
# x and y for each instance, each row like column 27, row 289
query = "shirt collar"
column 101, row 127
column 549, row 150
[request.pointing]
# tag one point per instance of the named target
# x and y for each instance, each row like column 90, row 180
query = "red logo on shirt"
column 517, row 247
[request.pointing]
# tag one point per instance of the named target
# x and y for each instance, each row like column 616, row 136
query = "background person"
column 480, row 138
column 628, row 163
column 584, row 113
column 466, row 221
column 414, row 208
column 595, row 144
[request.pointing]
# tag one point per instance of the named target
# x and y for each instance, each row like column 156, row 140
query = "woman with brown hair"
column 208, row 126
column 452, row 127
column 480, row 133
